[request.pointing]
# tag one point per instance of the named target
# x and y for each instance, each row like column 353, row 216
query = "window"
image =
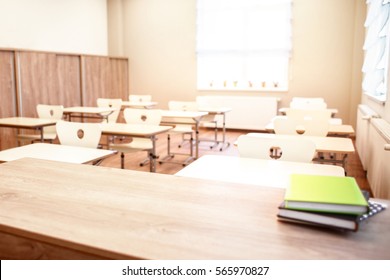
column 243, row 44
column 376, row 47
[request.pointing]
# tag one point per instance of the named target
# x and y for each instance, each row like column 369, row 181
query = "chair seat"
column 46, row 136
column 181, row 129
column 138, row 144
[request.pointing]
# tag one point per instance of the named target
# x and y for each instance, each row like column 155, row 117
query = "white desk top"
column 88, row 110
column 139, row 104
column 214, row 110
column 182, row 114
column 332, row 121
column 323, row 144
column 332, row 110
column 59, row 210
column 25, row 122
column 271, row 173
column 334, row 129
column 55, row 152
column 181, row 117
column 135, row 130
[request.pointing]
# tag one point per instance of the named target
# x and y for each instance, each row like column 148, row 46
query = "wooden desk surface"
column 26, row 122
column 259, row 172
column 61, row 210
column 55, row 152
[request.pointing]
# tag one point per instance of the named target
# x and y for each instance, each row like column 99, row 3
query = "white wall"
column 71, row 26
column 159, row 39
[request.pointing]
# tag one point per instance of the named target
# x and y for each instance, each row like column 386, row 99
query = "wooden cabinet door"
column 7, row 98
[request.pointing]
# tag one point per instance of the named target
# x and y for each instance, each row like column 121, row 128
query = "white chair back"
column 140, row 98
column 264, row 146
column 79, row 134
column 111, row 102
column 314, row 103
column 142, row 116
column 317, row 127
column 308, row 99
column 50, row 112
column 308, row 114
column 183, row 105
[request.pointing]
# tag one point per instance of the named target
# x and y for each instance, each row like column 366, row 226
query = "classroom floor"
column 132, row 160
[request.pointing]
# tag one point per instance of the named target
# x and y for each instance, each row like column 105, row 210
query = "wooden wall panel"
column 7, row 97
column 95, row 79
column 69, row 83
column 119, row 85
column 38, row 81
column 28, row 78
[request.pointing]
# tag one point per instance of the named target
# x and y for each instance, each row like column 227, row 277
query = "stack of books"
column 329, row 201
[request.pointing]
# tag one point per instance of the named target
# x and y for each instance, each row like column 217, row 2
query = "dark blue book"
column 330, row 220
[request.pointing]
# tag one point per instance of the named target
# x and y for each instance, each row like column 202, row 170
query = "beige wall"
column 159, row 39
column 72, row 26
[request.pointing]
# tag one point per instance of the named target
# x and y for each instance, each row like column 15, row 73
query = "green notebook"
column 325, row 194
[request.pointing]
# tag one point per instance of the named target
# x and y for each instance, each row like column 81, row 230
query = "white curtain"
column 376, row 47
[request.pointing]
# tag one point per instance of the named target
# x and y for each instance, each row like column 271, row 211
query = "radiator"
column 248, row 112
column 364, row 114
column 378, row 158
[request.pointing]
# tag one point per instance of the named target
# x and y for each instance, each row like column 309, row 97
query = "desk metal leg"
column 152, row 156
column 224, row 143
column 197, row 138
column 216, row 142
column 333, row 160
column 41, row 131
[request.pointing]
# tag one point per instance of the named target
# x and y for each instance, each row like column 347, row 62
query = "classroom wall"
column 159, row 39
column 71, row 26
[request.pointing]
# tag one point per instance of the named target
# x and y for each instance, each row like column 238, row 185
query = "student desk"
column 343, row 130
column 88, row 112
column 56, row 152
column 218, row 111
column 139, row 104
column 333, row 145
column 137, row 130
column 184, row 117
column 28, row 123
column 333, row 111
column 259, row 172
column 57, row 210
